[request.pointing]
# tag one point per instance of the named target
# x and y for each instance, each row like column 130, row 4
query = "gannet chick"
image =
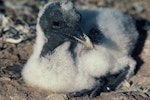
column 60, row 62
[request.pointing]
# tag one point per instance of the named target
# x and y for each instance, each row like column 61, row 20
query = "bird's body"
column 113, row 32
column 70, row 66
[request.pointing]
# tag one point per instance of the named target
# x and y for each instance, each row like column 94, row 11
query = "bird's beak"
column 84, row 40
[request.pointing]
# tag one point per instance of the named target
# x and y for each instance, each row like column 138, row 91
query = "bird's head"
column 61, row 22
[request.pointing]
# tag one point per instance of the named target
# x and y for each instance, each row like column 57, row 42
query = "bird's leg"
column 112, row 85
column 124, row 75
column 80, row 93
column 98, row 89
column 93, row 92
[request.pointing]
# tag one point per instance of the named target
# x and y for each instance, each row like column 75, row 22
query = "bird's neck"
column 53, row 41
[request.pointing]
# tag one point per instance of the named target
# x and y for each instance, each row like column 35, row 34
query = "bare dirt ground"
column 14, row 56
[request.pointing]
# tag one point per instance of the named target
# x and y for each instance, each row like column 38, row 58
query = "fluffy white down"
column 59, row 73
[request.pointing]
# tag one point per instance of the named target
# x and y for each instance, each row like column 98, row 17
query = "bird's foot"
column 96, row 92
column 80, row 93
column 92, row 93
column 116, row 83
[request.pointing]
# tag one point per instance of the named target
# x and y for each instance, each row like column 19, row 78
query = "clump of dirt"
column 14, row 56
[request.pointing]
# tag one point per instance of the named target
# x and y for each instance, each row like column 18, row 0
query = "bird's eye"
column 56, row 24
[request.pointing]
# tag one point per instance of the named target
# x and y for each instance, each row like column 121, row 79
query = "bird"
column 74, row 47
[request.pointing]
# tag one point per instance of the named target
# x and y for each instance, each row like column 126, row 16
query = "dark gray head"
column 61, row 22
